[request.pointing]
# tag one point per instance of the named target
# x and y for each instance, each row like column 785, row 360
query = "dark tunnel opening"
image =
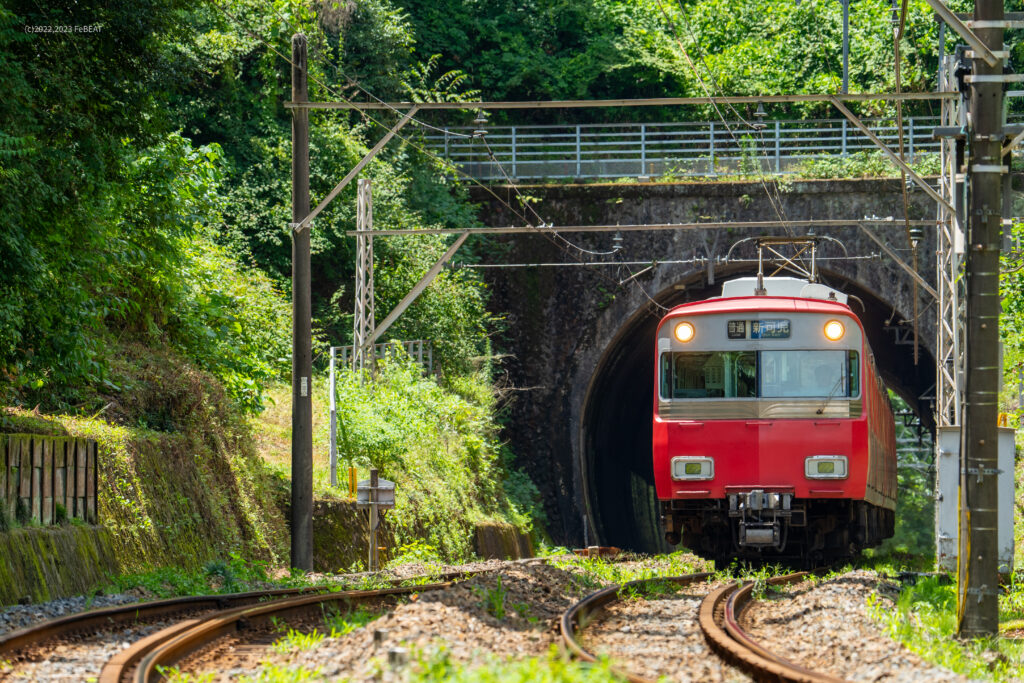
column 616, row 426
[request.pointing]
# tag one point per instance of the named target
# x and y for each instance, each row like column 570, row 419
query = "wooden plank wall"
column 39, row 475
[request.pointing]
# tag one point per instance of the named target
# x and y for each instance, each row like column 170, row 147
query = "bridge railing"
column 669, row 149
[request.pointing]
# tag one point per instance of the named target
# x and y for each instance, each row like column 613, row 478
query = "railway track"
column 719, row 618
column 185, row 641
column 682, row 632
column 81, row 636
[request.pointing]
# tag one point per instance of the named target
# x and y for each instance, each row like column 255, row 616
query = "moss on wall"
column 180, row 482
column 500, row 541
column 43, row 564
column 340, row 536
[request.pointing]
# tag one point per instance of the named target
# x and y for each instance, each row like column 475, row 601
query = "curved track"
column 574, row 618
column 720, row 623
column 30, row 643
column 719, row 620
column 143, row 661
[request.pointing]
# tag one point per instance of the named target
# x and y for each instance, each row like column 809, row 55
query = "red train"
column 773, row 433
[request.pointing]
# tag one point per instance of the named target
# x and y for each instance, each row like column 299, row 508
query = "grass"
column 231, row 575
column 437, row 441
column 493, row 599
column 592, row 573
column 294, row 641
column 341, row 624
column 924, row 619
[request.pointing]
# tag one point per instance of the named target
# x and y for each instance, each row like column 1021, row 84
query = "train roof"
column 783, row 294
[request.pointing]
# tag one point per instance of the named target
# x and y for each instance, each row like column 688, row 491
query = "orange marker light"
column 834, row 330
column 684, row 331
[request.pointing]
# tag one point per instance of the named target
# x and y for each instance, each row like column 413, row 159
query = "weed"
column 298, row 641
column 342, row 624
column 493, row 599
column 218, row 569
column 523, row 610
column 372, row 582
column 274, row 673
column 924, row 619
column 60, row 514
column 173, row 675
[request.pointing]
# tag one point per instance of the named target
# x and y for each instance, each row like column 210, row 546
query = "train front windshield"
column 760, row 374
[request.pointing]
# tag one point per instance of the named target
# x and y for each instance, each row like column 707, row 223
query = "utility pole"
column 846, row 46
column 978, row 598
column 302, row 323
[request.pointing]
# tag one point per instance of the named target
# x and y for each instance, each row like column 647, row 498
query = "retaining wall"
column 41, row 564
column 47, row 479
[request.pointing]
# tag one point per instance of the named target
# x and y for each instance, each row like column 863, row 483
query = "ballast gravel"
column 511, row 613
column 20, row 616
column 659, row 637
column 825, row 626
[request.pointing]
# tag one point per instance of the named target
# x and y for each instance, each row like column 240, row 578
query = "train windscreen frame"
column 789, row 373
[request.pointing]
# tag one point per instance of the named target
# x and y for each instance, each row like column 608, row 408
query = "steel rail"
column 175, row 643
column 15, row 644
column 734, row 644
column 574, row 618
column 165, row 643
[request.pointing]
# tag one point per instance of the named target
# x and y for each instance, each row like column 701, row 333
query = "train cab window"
column 809, row 374
column 712, row 374
column 760, row 374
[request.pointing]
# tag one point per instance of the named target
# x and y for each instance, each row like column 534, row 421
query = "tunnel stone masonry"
column 580, row 345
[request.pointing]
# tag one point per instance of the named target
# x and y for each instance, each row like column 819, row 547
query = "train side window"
column 666, row 375
column 854, row 383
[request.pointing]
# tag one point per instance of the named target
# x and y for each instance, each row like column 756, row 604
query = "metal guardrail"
column 669, row 149
column 419, row 350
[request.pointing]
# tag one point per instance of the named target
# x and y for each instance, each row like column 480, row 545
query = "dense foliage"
column 439, row 445
column 144, row 162
column 557, row 49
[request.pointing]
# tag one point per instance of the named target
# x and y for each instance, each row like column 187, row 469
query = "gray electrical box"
column 385, row 493
column 947, row 488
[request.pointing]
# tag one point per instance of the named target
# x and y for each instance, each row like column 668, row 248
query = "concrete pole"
column 846, row 46
column 302, row 332
column 373, row 564
column 334, row 418
column 979, row 607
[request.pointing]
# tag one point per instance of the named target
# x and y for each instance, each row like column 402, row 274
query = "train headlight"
column 834, row 330
column 692, row 468
column 684, row 331
column 825, row 467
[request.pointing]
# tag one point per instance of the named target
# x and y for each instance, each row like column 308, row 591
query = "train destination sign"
column 759, row 329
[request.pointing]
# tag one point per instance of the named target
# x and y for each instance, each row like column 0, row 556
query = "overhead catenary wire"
column 428, row 153
column 459, row 172
column 371, row 119
column 649, row 262
column 775, row 200
column 898, row 30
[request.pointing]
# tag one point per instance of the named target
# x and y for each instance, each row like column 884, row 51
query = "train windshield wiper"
column 831, row 395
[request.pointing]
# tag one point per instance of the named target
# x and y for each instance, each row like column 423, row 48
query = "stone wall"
column 45, row 564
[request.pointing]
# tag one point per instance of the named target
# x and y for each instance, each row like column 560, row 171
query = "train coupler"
column 763, row 518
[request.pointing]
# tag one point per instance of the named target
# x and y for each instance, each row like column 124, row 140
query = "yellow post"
column 352, row 482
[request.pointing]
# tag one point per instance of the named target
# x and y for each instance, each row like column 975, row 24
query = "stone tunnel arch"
column 615, row 429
